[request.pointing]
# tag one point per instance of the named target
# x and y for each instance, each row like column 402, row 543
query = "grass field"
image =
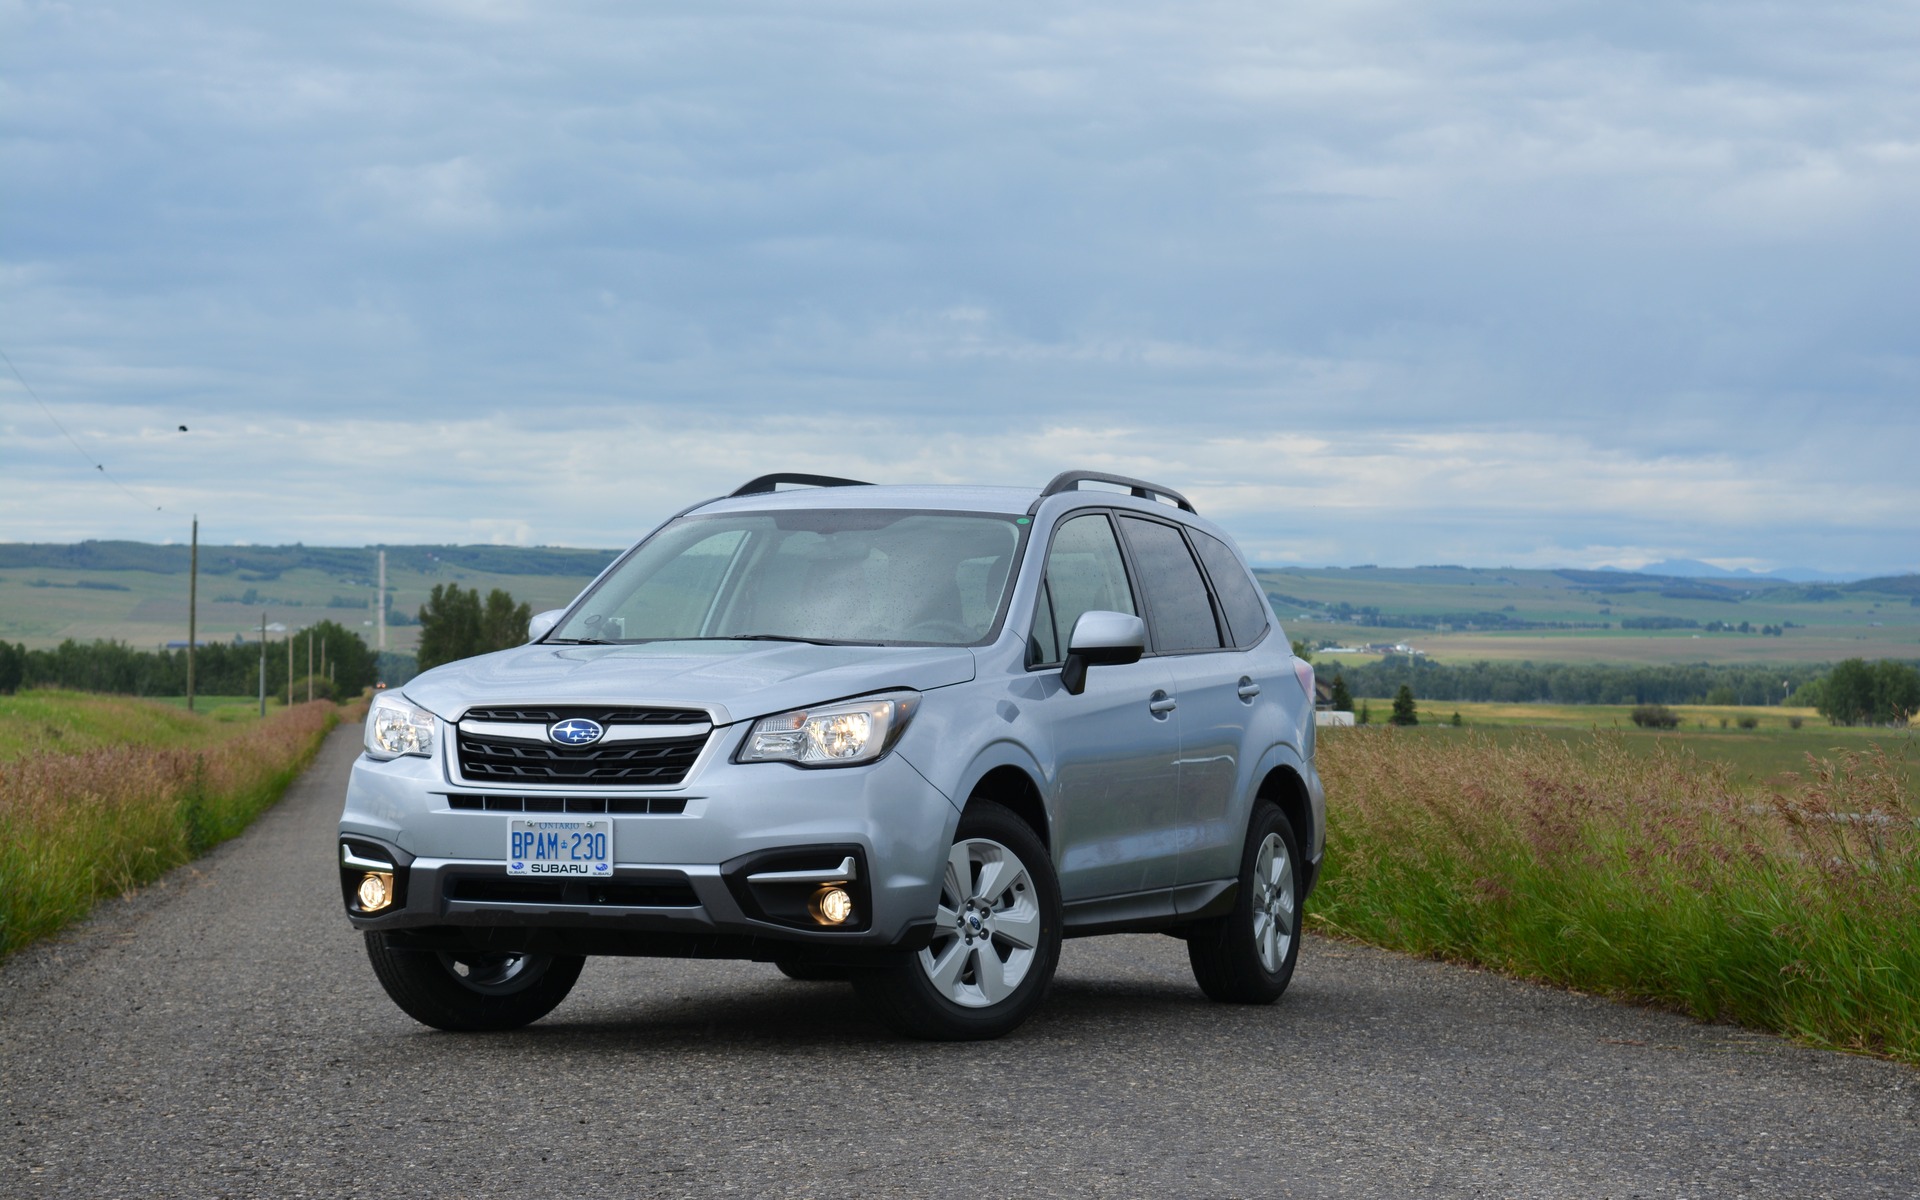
column 1625, row 646
column 1820, row 623
column 99, row 794
column 223, row 708
column 1644, row 871
column 59, row 722
column 1769, row 755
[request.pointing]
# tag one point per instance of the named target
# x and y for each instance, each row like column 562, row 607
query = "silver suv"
column 907, row 736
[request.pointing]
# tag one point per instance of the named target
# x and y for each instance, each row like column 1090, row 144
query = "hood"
column 741, row 679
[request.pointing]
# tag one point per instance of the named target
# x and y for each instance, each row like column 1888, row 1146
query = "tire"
column 472, row 991
column 813, row 972
column 996, row 940
column 1248, row 956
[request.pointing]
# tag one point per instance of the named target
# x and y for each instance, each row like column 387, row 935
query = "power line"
column 91, row 461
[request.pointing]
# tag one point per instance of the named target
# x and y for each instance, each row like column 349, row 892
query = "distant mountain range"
column 263, row 562
column 1672, row 568
column 1693, row 568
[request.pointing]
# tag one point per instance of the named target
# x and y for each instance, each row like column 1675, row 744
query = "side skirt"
column 1158, row 911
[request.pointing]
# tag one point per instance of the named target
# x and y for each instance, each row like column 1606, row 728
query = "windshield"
column 828, row 575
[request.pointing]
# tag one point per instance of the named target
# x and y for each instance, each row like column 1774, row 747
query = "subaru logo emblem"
column 575, row 731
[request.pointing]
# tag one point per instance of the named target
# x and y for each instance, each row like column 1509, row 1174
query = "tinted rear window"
column 1177, row 603
column 1245, row 607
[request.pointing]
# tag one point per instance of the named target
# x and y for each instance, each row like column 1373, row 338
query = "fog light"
column 376, row 891
column 831, row 905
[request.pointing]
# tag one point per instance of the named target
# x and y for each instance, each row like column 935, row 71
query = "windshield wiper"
column 770, row 637
column 578, row 642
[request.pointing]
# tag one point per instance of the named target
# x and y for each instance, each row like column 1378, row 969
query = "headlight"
column 395, row 727
column 832, row 735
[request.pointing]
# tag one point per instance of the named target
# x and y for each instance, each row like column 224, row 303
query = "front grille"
column 649, row 894
column 656, row 805
column 605, row 714
column 650, row 762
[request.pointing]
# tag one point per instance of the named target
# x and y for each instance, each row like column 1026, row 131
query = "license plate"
column 561, row 847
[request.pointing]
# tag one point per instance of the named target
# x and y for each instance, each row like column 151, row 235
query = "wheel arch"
column 1284, row 786
column 1012, row 785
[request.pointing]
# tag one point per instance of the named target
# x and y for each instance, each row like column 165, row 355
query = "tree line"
column 1852, row 692
column 219, row 668
column 455, row 623
column 1858, row 692
column 1561, row 683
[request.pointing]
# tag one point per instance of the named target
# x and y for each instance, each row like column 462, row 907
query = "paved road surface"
column 222, row 1035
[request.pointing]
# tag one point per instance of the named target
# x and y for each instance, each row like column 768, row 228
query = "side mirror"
column 543, row 623
column 1101, row 639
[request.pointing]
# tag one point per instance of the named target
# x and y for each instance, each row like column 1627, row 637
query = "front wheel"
column 1247, row 956
column 996, row 938
column 470, row 991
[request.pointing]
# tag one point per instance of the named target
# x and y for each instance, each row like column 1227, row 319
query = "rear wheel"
column 471, row 991
column 996, row 938
column 1248, row 956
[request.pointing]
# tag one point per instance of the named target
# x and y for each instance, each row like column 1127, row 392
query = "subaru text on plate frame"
column 908, row 736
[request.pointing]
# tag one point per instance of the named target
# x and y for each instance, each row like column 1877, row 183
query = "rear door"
column 1191, row 638
column 1236, row 679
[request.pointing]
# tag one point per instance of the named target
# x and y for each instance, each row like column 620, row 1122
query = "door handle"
column 1161, row 704
column 1248, row 688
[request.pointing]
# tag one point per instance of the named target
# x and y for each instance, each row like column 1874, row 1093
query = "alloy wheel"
column 987, row 928
column 1273, row 902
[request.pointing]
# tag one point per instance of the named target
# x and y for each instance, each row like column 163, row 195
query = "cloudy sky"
column 1373, row 281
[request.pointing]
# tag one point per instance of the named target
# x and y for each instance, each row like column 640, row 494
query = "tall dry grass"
column 78, row 827
column 1794, row 908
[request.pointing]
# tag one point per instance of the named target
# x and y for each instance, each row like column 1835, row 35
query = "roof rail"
column 1070, row 481
column 768, row 483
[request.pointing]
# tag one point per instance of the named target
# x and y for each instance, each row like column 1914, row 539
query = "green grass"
column 224, row 708
column 99, row 794
column 1637, row 870
column 1772, row 754
column 48, row 721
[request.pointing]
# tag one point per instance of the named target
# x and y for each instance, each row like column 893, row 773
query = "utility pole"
column 263, row 662
column 193, row 605
column 309, row 663
column 323, row 658
column 289, row 668
column 380, row 621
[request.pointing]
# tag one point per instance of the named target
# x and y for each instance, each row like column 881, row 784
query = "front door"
column 1115, row 788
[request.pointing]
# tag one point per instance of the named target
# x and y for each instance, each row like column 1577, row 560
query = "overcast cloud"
column 1385, row 282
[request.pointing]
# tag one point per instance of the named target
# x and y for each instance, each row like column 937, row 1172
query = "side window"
column 1177, row 603
column 1244, row 606
column 1084, row 572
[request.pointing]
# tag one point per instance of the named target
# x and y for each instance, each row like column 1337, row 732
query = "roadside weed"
column 1655, row 877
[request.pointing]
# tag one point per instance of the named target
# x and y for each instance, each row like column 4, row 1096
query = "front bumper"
column 681, row 879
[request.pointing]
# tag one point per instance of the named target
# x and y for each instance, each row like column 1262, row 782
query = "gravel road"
column 222, row 1035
